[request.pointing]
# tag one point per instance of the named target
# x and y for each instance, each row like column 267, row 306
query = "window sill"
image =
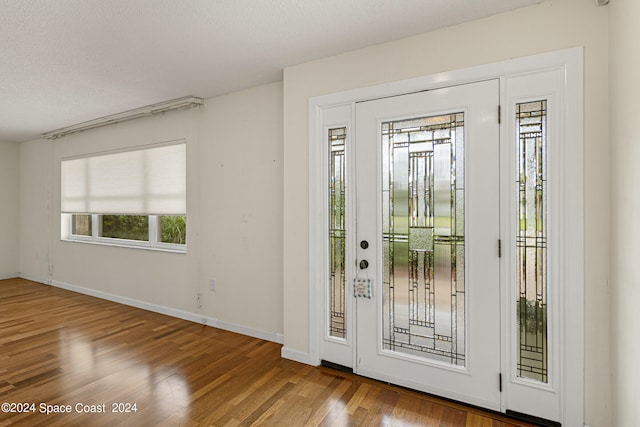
column 131, row 244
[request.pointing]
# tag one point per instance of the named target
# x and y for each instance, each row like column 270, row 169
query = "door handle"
column 364, row 264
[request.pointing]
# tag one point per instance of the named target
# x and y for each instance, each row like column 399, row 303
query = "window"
column 337, row 231
column 173, row 229
column 131, row 198
column 531, row 240
column 132, row 227
column 81, row 225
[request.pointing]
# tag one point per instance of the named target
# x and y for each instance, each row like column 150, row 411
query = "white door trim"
column 570, row 61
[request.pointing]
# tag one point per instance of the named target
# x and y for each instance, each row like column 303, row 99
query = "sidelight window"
column 531, row 240
column 337, row 232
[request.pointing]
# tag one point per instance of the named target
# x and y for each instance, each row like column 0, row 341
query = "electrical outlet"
column 212, row 284
column 199, row 300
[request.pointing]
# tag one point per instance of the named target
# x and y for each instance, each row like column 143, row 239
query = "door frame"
column 571, row 263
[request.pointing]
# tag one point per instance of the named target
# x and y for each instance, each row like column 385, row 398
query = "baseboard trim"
column 9, row 276
column 33, row 279
column 295, row 355
column 234, row 327
column 167, row 311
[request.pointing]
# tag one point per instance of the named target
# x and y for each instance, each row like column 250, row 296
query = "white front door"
column 427, row 230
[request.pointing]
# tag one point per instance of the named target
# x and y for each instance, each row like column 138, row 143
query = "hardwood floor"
column 60, row 348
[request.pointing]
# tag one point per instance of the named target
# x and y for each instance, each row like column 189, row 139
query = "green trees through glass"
column 173, row 229
column 131, row 227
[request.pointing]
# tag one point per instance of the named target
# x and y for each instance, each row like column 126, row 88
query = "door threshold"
column 336, row 366
column 531, row 419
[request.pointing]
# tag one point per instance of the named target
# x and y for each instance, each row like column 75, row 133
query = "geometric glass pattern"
column 337, row 232
column 423, row 237
column 531, row 240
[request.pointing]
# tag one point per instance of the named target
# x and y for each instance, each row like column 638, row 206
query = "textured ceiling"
column 65, row 62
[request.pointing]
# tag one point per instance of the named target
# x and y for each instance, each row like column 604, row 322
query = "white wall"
column 241, row 206
column 35, row 223
column 234, row 206
column 9, row 155
column 552, row 25
column 625, row 206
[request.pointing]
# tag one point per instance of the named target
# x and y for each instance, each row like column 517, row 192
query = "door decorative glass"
column 531, row 240
column 423, row 237
column 337, row 232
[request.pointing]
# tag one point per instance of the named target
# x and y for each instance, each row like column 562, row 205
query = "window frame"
column 153, row 243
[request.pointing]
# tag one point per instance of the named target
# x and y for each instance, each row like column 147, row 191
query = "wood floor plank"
column 61, row 348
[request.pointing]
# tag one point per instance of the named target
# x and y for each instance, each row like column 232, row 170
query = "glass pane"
column 131, row 227
column 337, row 232
column 81, row 225
column 531, row 240
column 173, row 229
column 423, row 237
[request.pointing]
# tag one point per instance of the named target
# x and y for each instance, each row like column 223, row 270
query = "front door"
column 446, row 250
column 427, row 284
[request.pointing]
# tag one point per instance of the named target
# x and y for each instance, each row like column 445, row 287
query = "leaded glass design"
column 531, row 240
column 337, row 232
column 423, row 237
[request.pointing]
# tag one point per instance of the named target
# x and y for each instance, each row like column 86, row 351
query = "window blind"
column 148, row 181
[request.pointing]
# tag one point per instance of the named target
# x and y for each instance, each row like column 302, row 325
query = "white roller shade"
column 149, row 181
